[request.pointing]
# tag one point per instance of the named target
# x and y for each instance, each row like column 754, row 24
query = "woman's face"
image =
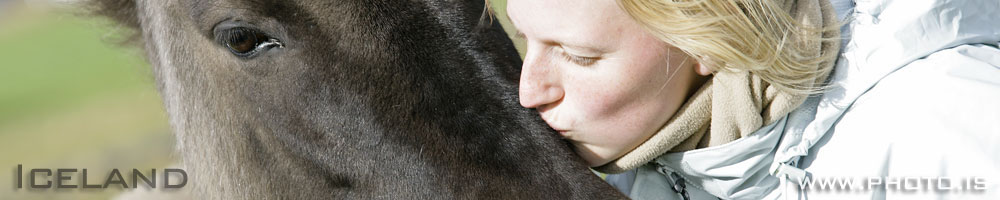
column 596, row 76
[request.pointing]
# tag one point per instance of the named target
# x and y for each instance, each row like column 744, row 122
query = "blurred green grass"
column 71, row 98
column 53, row 59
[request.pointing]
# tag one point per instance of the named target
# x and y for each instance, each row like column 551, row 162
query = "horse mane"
column 121, row 12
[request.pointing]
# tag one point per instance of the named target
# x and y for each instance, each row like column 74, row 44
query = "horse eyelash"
column 231, row 35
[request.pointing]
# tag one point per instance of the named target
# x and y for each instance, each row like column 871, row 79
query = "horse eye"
column 246, row 42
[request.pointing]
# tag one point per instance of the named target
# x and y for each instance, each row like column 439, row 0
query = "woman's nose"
column 540, row 82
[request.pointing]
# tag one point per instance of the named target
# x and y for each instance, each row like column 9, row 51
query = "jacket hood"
column 885, row 35
column 881, row 37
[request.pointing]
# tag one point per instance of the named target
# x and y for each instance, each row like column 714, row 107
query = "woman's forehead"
column 569, row 20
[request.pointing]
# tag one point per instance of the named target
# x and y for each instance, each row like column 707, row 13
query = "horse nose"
column 540, row 82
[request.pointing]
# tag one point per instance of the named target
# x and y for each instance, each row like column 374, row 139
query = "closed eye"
column 579, row 60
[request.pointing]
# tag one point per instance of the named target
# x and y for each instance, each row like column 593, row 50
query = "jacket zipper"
column 680, row 187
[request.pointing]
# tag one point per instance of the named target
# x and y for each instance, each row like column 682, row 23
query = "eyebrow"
column 519, row 34
column 569, row 44
column 585, row 48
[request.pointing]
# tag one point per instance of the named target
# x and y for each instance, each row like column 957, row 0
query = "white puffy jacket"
column 913, row 112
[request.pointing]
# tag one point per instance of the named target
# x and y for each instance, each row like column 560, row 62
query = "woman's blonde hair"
column 759, row 36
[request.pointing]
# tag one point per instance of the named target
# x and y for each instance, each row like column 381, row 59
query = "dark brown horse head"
column 304, row 99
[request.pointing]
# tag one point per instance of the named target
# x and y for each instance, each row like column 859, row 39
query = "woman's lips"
column 562, row 131
column 546, row 115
